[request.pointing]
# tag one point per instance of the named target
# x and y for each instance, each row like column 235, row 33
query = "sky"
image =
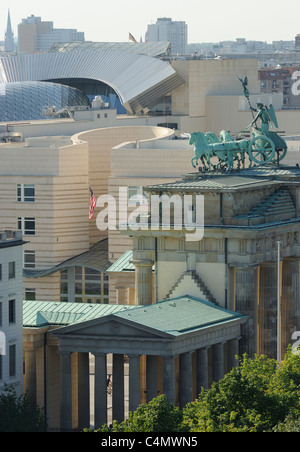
column 207, row 20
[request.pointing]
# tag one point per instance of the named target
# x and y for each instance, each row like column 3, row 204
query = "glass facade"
column 24, row 101
column 91, row 286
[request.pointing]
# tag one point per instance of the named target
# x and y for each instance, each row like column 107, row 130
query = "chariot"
column 224, row 152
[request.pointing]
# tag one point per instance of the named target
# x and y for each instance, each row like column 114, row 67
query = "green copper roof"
column 123, row 264
column 180, row 315
column 37, row 314
column 176, row 316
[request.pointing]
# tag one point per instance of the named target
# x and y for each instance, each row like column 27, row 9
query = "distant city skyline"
column 207, row 21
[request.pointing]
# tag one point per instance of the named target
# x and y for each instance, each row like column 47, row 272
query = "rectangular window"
column 11, row 270
column 12, row 360
column 12, row 311
column 1, row 368
column 29, row 259
column 30, row 294
column 25, row 193
column 105, row 284
column 0, row 272
column 0, row 313
column 26, row 225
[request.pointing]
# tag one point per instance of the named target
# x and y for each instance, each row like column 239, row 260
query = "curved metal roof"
column 154, row 48
column 137, row 79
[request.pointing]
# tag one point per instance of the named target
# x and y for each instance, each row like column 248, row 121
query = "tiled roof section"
column 179, row 316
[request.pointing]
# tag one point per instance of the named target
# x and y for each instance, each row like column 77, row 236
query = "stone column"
column 290, row 301
column 83, row 391
column 143, row 281
column 267, row 312
column 218, row 361
column 186, row 384
column 65, row 392
column 202, row 369
column 134, row 382
column 151, row 377
column 246, row 303
column 118, row 388
column 30, row 374
column 100, row 395
column 169, row 378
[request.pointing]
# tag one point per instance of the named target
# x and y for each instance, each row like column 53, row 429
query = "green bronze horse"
column 207, row 146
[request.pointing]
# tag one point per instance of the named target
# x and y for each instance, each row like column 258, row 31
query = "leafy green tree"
column 242, row 401
column 156, row 416
column 290, row 425
column 258, row 396
column 17, row 414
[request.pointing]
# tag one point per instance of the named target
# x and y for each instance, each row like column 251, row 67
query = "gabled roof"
column 180, row 315
column 174, row 317
column 159, row 329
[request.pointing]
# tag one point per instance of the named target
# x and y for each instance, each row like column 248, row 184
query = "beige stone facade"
column 235, row 264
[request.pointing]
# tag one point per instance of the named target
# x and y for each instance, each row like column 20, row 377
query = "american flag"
column 92, row 204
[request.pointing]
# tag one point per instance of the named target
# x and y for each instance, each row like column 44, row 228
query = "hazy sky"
column 208, row 20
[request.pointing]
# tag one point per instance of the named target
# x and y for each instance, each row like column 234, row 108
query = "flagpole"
column 278, row 307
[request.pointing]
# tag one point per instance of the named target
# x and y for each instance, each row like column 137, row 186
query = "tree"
column 260, row 395
column 156, row 416
column 245, row 400
column 17, row 415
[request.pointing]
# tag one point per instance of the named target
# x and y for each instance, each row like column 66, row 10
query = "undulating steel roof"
column 136, row 79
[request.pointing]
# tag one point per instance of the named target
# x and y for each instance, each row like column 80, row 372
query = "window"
column 92, row 282
column 0, row 313
column 30, row 294
column 26, row 225
column 11, row 270
column 12, row 311
column 90, row 286
column 29, row 259
column 12, row 360
column 0, row 272
column 25, row 193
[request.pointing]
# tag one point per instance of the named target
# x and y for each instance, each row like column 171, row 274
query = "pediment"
column 111, row 327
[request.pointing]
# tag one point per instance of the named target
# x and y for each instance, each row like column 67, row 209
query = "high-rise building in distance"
column 35, row 35
column 175, row 32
